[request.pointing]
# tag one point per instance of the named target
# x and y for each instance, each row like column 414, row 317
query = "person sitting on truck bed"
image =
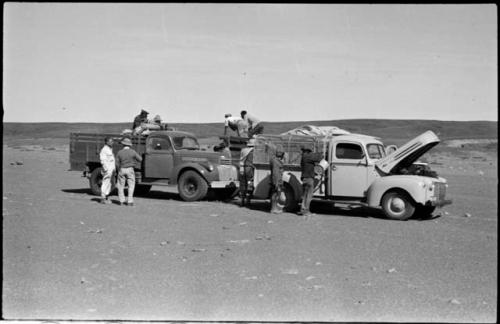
column 255, row 126
column 307, row 163
column 139, row 119
column 108, row 168
column 246, row 173
column 236, row 124
column 276, row 164
column 126, row 160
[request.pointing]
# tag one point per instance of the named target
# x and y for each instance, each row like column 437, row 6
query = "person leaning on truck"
column 307, row 163
column 108, row 168
column 255, row 126
column 139, row 119
column 246, row 173
column 236, row 124
column 276, row 164
column 126, row 159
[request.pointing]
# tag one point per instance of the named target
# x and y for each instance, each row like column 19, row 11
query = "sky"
column 192, row 63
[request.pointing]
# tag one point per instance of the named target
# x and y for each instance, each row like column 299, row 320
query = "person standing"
column 307, row 163
column 126, row 160
column 246, row 173
column 276, row 164
column 139, row 119
column 236, row 124
column 255, row 126
column 108, row 168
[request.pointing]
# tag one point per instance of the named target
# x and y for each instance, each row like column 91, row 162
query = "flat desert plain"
column 67, row 257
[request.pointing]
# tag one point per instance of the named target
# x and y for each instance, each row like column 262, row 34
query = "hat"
column 144, row 112
column 157, row 118
column 251, row 142
column 227, row 115
column 126, row 142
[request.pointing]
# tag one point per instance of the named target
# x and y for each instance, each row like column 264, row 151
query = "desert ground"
column 67, row 257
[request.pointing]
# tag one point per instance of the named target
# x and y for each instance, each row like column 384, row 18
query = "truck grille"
column 440, row 190
column 225, row 161
column 227, row 172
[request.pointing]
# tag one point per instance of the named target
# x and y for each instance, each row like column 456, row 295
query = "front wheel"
column 192, row 186
column 397, row 206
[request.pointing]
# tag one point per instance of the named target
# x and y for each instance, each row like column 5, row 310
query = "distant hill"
column 391, row 131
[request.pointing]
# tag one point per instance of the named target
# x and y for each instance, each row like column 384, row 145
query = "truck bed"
column 85, row 147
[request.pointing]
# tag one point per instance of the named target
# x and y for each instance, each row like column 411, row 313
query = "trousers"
column 126, row 175
column 307, row 194
column 107, row 173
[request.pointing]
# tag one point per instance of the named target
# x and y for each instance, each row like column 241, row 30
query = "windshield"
column 184, row 142
column 375, row 151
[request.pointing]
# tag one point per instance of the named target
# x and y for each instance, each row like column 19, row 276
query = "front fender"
column 294, row 183
column 414, row 186
column 206, row 174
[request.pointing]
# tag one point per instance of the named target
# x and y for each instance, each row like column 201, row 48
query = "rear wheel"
column 397, row 205
column 291, row 204
column 192, row 186
column 95, row 181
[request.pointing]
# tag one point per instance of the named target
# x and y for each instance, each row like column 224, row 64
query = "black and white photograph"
column 249, row 162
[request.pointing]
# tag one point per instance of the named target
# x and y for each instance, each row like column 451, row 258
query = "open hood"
column 404, row 156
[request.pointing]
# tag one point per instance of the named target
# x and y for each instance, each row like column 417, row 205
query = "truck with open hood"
column 356, row 170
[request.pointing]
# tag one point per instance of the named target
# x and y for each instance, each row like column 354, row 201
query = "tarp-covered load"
column 311, row 130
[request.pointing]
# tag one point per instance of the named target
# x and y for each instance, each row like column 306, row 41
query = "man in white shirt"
column 236, row 124
column 108, row 168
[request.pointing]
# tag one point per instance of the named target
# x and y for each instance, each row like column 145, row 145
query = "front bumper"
column 225, row 184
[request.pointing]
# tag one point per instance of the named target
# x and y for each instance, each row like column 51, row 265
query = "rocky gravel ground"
column 67, row 257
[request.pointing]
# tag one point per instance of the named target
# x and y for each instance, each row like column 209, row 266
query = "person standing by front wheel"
column 108, row 168
column 246, row 173
column 276, row 164
column 307, row 163
column 126, row 160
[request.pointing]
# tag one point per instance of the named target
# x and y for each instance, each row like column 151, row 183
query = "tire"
column 192, row 186
column 397, row 206
column 141, row 190
column 425, row 212
column 291, row 204
column 95, row 182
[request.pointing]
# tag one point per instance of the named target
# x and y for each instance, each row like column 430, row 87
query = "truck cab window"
column 375, row 151
column 186, row 143
column 159, row 144
column 348, row 151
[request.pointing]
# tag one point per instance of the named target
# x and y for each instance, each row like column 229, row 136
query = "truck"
column 169, row 158
column 356, row 171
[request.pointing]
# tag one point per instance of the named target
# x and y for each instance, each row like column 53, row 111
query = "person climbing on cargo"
column 139, row 119
column 307, row 163
column 255, row 125
column 126, row 160
column 236, row 124
column 108, row 168
column 246, row 173
column 277, row 190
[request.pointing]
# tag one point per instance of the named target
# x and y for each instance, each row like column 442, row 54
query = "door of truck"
column 348, row 170
column 159, row 158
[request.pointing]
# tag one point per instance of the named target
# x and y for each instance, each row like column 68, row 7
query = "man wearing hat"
column 246, row 173
column 236, row 124
column 307, row 163
column 139, row 119
column 108, row 168
column 126, row 159
column 276, row 163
